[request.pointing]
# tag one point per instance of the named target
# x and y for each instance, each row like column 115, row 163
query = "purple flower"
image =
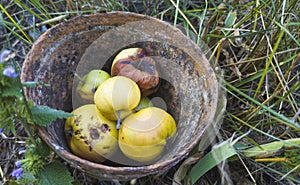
column 1, row 130
column 17, row 173
column 22, row 152
column 18, row 164
column 3, row 55
column 10, row 72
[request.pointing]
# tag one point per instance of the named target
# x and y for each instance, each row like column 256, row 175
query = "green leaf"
column 184, row 167
column 12, row 91
column 27, row 178
column 219, row 153
column 55, row 173
column 42, row 148
column 230, row 19
column 270, row 149
column 44, row 115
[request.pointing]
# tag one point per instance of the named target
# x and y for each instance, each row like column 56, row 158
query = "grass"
column 255, row 43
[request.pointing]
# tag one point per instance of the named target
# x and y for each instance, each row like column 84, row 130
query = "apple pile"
column 121, row 115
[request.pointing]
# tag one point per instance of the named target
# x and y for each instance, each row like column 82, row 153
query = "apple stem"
column 119, row 121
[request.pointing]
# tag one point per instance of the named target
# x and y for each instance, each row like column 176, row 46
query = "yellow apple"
column 90, row 82
column 143, row 135
column 90, row 135
column 117, row 97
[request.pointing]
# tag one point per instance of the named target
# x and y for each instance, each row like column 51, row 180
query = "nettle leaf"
column 27, row 178
column 55, row 173
column 44, row 115
column 12, row 91
column 41, row 148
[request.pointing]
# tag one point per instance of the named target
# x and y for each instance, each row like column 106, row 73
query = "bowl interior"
column 188, row 84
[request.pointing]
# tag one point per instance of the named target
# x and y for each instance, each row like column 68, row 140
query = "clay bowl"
column 189, row 86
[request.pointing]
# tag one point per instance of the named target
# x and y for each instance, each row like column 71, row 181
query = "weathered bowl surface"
column 189, row 85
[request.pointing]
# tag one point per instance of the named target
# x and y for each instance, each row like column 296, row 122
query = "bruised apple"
column 134, row 64
column 90, row 135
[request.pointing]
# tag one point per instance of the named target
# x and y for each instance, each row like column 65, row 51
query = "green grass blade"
column 285, row 120
column 287, row 32
column 259, row 74
column 14, row 32
column 29, row 10
column 253, row 127
column 253, row 12
column 219, row 153
column 185, row 18
column 39, row 6
column 202, row 18
column 15, row 24
column 279, row 173
column 268, row 63
column 268, row 149
column 176, row 13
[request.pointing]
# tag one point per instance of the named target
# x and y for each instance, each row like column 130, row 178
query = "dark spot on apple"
column 77, row 132
column 94, row 133
column 106, row 147
column 77, row 120
column 122, row 137
column 90, row 148
column 104, row 128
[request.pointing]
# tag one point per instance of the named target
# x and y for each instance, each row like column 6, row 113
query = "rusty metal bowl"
column 190, row 88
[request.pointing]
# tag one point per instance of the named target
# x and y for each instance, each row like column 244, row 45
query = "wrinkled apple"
column 142, row 69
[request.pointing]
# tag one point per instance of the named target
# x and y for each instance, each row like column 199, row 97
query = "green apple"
column 90, row 135
column 143, row 135
column 90, row 82
column 144, row 103
column 117, row 97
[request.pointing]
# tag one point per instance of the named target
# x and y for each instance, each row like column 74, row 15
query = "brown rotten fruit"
column 132, row 63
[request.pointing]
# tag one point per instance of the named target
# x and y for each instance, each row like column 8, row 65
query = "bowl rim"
column 119, row 170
